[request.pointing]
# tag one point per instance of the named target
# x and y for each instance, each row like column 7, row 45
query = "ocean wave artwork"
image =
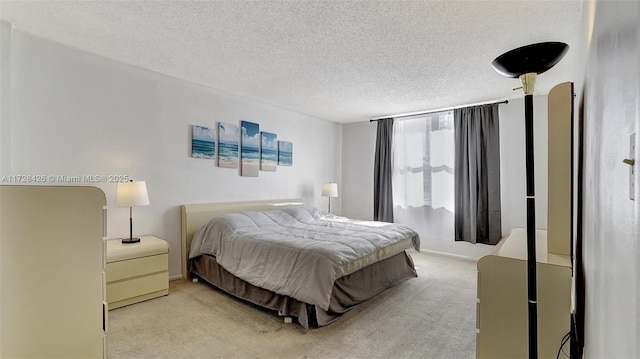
column 228, row 145
column 250, row 149
column 285, row 153
column 269, row 152
column 203, row 143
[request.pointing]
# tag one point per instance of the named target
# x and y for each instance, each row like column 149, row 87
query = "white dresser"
column 136, row 271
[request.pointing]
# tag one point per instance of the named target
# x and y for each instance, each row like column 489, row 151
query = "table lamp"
column 330, row 190
column 131, row 194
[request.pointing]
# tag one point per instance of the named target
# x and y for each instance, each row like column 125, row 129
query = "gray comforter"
column 298, row 251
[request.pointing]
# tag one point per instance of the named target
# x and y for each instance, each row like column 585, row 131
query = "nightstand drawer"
column 136, row 267
column 154, row 285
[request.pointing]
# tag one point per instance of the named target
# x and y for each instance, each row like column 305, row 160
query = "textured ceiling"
column 343, row 61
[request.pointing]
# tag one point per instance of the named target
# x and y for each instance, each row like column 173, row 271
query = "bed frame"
column 348, row 291
column 197, row 215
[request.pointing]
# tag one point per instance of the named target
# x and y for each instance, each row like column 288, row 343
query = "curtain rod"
column 434, row 111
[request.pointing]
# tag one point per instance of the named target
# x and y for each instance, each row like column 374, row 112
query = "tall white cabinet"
column 52, row 272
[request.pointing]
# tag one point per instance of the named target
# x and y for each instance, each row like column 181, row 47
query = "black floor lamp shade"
column 526, row 63
column 536, row 58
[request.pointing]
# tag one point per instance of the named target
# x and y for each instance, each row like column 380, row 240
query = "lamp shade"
column 535, row 58
column 330, row 190
column 132, row 194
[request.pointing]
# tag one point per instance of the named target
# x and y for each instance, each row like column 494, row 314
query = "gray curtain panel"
column 477, row 174
column 382, row 190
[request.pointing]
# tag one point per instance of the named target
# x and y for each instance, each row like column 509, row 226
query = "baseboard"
column 175, row 277
column 458, row 256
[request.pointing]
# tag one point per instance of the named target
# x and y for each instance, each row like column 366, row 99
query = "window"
column 423, row 184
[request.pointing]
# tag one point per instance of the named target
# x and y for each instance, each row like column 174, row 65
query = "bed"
column 324, row 280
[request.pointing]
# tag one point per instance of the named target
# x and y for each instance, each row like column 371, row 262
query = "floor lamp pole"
column 531, row 230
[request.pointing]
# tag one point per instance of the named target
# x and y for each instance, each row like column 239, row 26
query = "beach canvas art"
column 269, row 151
column 203, row 142
column 285, row 153
column 250, row 149
column 228, row 148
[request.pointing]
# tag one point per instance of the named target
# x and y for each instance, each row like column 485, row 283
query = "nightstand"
column 137, row 271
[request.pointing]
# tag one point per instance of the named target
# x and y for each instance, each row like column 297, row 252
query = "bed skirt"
column 348, row 291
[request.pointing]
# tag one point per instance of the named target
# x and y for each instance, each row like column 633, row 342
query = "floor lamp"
column 526, row 63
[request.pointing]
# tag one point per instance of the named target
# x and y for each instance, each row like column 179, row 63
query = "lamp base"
column 130, row 240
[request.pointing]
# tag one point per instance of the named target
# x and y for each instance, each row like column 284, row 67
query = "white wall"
column 358, row 144
column 5, row 94
column 5, row 98
column 512, row 162
column 611, row 220
column 358, row 152
column 74, row 113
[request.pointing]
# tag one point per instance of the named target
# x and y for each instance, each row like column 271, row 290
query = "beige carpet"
column 432, row 316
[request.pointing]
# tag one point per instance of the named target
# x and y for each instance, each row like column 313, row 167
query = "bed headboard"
column 197, row 215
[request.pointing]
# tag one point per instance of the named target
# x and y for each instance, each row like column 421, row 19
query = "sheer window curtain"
column 423, row 174
column 477, row 203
